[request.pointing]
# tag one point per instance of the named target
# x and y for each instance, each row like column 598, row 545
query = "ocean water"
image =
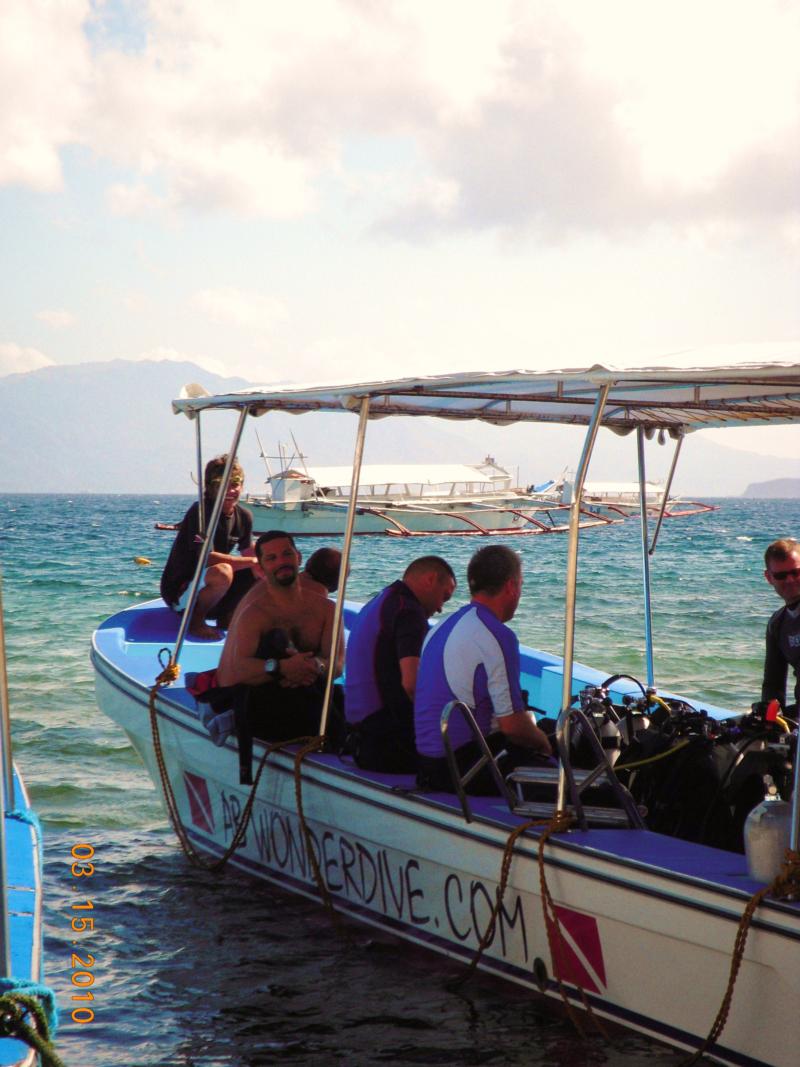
column 196, row 970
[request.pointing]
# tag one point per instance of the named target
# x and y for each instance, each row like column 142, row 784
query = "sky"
column 350, row 189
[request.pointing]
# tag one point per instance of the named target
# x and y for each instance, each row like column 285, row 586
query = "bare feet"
column 203, row 632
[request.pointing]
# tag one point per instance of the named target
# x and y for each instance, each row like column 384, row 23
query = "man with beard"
column 279, row 646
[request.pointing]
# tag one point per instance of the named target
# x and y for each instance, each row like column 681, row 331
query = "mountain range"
column 108, row 428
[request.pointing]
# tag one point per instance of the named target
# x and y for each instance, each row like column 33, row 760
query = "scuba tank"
column 767, row 830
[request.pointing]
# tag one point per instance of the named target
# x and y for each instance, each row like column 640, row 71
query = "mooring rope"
column 170, row 673
column 557, row 823
column 14, row 1007
column 785, row 885
column 308, row 744
column 560, row 822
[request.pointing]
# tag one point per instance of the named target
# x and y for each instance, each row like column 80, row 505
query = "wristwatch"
column 272, row 667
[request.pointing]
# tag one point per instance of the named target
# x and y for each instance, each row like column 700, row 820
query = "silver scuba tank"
column 767, row 830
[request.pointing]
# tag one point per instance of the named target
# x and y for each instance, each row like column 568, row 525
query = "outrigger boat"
column 407, row 500
column 27, row 1007
column 622, row 500
column 615, row 913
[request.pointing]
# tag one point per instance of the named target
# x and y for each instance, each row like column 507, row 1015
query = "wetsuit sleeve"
column 182, row 559
column 410, row 630
column 776, row 668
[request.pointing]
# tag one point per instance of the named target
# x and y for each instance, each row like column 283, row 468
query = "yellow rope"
column 652, row 759
column 785, row 885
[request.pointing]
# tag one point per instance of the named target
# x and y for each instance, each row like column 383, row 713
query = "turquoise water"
column 197, row 971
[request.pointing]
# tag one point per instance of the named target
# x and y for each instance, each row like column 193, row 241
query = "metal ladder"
column 625, row 813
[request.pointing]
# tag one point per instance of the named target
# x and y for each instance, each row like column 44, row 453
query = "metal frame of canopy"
column 667, row 401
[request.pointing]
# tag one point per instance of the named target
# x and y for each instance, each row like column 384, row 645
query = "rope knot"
column 787, row 881
column 171, row 673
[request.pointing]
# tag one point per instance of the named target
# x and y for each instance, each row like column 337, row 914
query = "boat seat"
column 544, row 779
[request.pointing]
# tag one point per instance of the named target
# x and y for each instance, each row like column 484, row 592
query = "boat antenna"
column 264, row 456
column 300, row 455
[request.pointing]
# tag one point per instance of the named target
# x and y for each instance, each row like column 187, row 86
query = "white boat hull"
column 649, row 923
column 319, row 519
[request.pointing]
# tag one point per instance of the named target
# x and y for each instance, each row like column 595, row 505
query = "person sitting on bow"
column 227, row 577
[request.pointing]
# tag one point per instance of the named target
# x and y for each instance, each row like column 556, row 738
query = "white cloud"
column 534, row 116
column 14, row 359
column 237, row 307
column 44, row 72
column 57, row 318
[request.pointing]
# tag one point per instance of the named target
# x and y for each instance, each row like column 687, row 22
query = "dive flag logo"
column 199, row 802
column 578, row 954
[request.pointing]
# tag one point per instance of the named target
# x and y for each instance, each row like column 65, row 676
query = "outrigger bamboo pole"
column 571, row 584
column 648, row 611
column 665, row 497
column 212, row 528
column 338, row 614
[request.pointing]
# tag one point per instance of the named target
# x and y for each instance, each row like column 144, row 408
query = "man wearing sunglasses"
column 782, row 563
column 227, row 577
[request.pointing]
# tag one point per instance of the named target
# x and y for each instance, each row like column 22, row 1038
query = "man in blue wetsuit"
column 381, row 666
column 472, row 656
column 782, row 563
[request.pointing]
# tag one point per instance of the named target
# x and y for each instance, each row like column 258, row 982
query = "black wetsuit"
column 234, row 530
column 783, row 651
column 380, row 715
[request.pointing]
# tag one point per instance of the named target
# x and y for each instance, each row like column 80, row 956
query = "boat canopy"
column 675, row 400
column 373, row 474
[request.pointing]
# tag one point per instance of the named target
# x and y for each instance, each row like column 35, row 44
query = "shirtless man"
column 279, row 645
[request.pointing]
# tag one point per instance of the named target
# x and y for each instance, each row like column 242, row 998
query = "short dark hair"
column 272, row 535
column 425, row 564
column 323, row 566
column 491, row 567
column 780, row 550
column 214, row 470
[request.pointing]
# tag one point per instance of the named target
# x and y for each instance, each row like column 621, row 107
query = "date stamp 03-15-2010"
column 82, row 922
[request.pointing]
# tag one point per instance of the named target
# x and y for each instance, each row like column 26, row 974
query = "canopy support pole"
column 648, row 615
column 216, row 511
column 571, row 584
column 201, row 495
column 665, row 497
column 344, row 566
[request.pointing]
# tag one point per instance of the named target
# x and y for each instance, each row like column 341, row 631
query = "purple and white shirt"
column 473, row 657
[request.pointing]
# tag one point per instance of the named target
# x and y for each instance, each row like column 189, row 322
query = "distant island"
column 777, row 488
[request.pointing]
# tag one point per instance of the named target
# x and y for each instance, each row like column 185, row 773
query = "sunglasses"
column 781, row 576
column 235, row 483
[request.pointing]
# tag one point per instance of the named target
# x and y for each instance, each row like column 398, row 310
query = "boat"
column 406, row 500
column 620, row 500
column 558, row 884
column 27, row 1007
